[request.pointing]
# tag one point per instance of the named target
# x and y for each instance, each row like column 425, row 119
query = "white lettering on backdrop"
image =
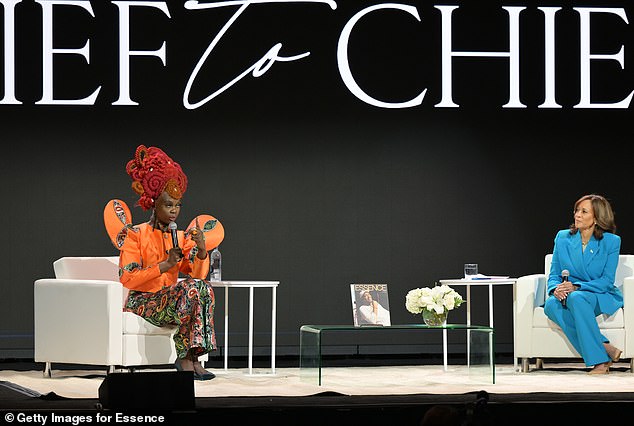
column 513, row 54
column 586, row 56
column 9, row 52
column 124, row 46
column 262, row 65
column 257, row 69
column 344, row 66
column 48, row 51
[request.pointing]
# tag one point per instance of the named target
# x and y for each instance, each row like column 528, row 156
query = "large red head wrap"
column 152, row 172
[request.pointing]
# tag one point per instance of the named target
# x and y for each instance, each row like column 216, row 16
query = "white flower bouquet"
column 439, row 299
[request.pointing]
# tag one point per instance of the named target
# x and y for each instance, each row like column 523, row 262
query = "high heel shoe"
column 615, row 353
column 598, row 370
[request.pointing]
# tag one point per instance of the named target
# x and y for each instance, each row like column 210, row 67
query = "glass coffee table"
column 480, row 340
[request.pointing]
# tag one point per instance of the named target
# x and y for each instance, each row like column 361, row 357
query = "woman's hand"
column 174, row 255
column 563, row 290
column 198, row 236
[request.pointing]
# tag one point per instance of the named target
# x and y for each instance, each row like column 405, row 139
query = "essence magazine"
column 370, row 304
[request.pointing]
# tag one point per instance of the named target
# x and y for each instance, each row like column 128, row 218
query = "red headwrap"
column 152, row 172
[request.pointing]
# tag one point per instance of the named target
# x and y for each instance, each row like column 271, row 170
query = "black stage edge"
column 477, row 408
column 330, row 409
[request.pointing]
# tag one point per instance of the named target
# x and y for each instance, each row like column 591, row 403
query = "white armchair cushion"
column 134, row 324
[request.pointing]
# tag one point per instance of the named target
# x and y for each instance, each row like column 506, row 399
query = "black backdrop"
column 315, row 187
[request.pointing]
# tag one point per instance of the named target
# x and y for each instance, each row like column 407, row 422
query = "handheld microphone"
column 172, row 227
column 564, row 278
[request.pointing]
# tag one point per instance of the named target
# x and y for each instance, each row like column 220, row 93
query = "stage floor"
column 355, row 395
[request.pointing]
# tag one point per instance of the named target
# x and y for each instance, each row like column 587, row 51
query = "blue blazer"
column 592, row 270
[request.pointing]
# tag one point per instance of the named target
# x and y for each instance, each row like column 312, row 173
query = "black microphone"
column 172, row 227
column 564, row 278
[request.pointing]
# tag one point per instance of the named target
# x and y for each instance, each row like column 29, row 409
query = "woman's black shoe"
column 205, row 376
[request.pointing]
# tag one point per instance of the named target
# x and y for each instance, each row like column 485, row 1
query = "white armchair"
column 538, row 337
column 79, row 319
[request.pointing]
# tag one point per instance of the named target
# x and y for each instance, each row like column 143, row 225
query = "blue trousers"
column 578, row 322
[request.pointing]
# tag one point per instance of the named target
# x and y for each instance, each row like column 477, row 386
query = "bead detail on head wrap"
column 152, row 172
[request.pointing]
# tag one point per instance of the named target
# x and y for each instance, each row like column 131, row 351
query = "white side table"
column 251, row 285
column 489, row 282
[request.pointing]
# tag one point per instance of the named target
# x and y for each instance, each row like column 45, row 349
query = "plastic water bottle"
column 216, row 265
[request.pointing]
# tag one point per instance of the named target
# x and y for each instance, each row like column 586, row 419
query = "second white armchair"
column 537, row 337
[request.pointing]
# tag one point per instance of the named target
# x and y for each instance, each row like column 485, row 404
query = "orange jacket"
column 143, row 250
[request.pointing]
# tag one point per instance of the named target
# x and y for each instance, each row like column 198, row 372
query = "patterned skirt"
column 188, row 304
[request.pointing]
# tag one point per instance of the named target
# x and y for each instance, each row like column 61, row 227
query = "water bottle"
column 216, row 265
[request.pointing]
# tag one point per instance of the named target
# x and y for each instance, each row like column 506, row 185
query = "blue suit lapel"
column 588, row 254
column 581, row 258
column 575, row 256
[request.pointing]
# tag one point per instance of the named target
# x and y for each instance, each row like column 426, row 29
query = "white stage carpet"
column 391, row 380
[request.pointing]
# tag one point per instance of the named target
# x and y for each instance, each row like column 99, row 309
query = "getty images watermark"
column 52, row 418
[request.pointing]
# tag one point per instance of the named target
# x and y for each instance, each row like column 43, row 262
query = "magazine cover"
column 370, row 304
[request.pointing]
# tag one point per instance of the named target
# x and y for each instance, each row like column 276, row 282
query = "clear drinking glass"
column 470, row 270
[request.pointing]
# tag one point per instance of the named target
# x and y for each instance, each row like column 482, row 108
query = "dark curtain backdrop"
column 314, row 187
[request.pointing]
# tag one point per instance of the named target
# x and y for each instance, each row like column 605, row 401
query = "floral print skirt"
column 189, row 304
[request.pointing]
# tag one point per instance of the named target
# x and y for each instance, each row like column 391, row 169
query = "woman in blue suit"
column 588, row 252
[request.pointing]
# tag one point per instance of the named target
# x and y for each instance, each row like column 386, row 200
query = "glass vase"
column 432, row 318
